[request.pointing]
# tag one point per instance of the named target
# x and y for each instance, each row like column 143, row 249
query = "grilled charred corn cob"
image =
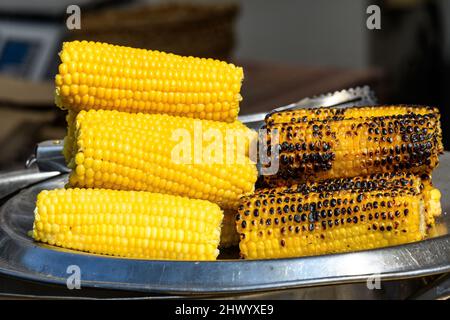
column 128, row 224
column 291, row 224
column 380, row 181
column 229, row 237
column 356, row 143
column 95, row 75
column 161, row 153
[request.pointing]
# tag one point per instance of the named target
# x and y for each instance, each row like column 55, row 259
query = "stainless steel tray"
column 23, row 258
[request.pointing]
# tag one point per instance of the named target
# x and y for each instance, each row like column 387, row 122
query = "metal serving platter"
column 23, row 258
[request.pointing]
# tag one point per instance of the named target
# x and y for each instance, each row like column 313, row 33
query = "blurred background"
column 289, row 50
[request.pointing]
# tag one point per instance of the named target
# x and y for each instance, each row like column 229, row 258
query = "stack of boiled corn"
column 348, row 179
column 156, row 154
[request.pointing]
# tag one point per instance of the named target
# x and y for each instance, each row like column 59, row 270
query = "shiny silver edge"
column 188, row 289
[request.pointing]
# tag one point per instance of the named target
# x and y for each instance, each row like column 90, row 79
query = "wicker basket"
column 188, row 29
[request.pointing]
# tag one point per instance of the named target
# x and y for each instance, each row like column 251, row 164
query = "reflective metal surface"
column 360, row 96
column 46, row 163
column 21, row 257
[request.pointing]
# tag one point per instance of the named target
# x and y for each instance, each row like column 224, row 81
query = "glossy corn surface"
column 95, row 75
column 161, row 153
column 128, row 224
column 338, row 147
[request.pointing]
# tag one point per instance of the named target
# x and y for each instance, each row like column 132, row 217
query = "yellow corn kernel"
column 229, row 237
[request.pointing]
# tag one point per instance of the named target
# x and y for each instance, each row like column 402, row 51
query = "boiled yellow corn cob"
column 161, row 153
column 229, row 237
column 129, row 224
column 277, row 225
column 339, row 147
column 95, row 75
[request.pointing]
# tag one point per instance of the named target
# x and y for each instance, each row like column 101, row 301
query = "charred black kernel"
column 311, row 226
column 279, row 200
column 261, row 221
column 388, row 228
column 297, row 218
column 291, row 217
column 265, row 202
column 324, row 225
column 238, row 217
column 286, row 209
column 276, row 220
column 269, row 222
column 257, row 203
column 283, row 219
column 349, row 210
column 290, row 228
column 244, row 224
column 383, row 215
column 299, row 208
column 283, row 230
column 241, row 207
column 286, row 200
column 383, row 203
column 256, row 212
column 374, row 226
column 360, row 198
column 247, row 212
column 370, row 217
column 397, row 213
column 356, row 209
column 303, row 217
column 271, row 210
column 355, row 219
column 405, row 212
column 253, row 222
column 375, row 205
column 362, row 217
column 349, row 220
column 336, row 212
column 293, row 208
column 297, row 229
column 283, row 243
column 319, row 205
column 381, row 228
column 333, row 202
column 311, row 217
column 279, row 211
